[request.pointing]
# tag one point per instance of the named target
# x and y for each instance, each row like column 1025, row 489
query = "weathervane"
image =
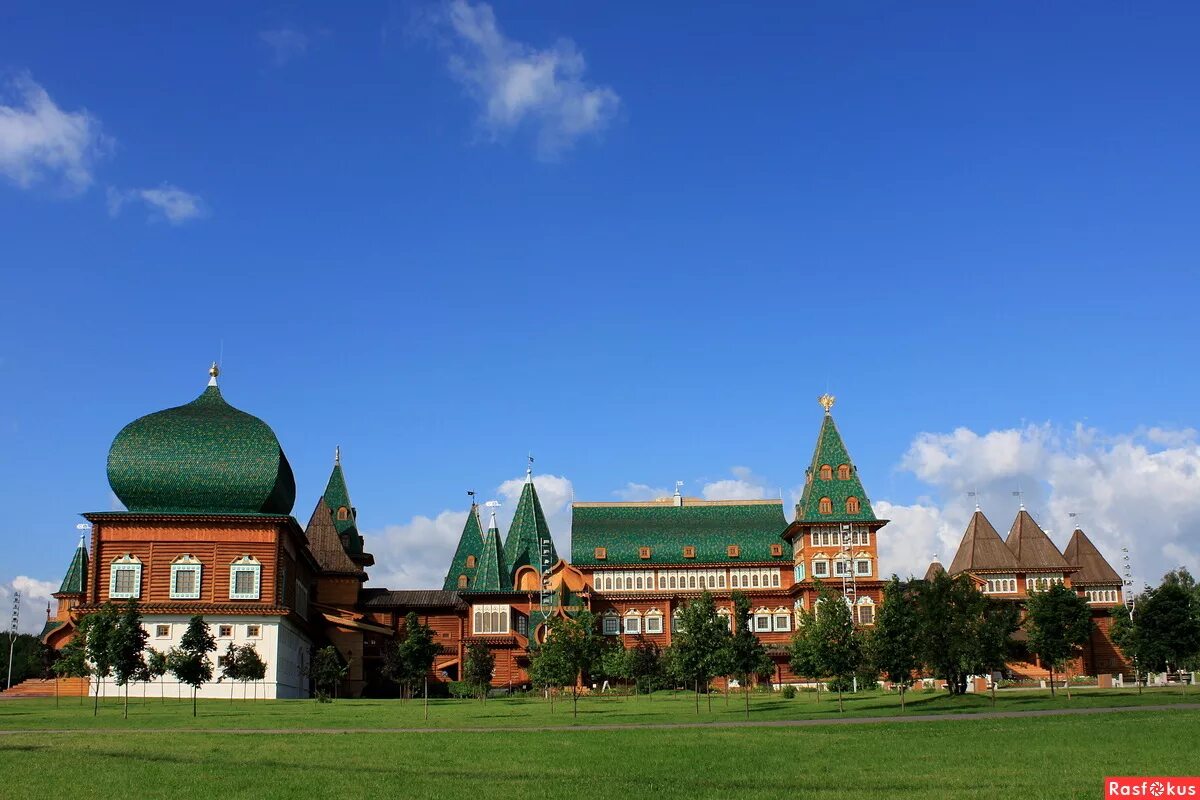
column 826, row 400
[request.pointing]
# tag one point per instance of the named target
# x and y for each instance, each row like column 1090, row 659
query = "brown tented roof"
column 1093, row 568
column 326, row 544
column 410, row 598
column 982, row 548
column 1032, row 547
column 935, row 569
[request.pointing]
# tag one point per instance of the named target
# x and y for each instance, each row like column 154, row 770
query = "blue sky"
column 637, row 241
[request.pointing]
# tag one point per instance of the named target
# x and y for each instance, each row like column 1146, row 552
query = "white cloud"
column 1128, row 490
column 285, row 43
column 41, row 142
column 634, row 492
column 165, row 202
column 517, row 84
column 35, row 594
column 744, row 485
column 416, row 554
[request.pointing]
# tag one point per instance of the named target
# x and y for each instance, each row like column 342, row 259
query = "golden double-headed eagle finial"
column 826, row 400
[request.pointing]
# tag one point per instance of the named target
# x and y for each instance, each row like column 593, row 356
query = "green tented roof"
column 711, row 527
column 338, row 496
column 528, row 535
column 75, row 581
column 202, row 457
column 831, row 450
column 491, row 575
column 469, row 544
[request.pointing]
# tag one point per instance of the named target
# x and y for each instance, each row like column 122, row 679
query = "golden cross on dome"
column 826, row 400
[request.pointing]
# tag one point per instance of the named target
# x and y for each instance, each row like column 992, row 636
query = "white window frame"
column 491, row 620
column 654, row 622
column 633, row 622
column 1042, row 581
column 841, row 567
column 782, row 619
column 125, row 562
column 186, row 564
column 865, row 602
column 158, row 630
column 228, row 625
column 254, row 631
column 611, row 624
column 862, row 573
column 247, row 564
column 820, row 567
column 762, row 621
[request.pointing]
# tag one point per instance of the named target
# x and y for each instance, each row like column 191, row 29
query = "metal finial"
column 529, row 470
column 826, row 400
column 337, row 454
column 213, row 372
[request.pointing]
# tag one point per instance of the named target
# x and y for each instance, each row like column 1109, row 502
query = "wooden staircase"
column 44, row 687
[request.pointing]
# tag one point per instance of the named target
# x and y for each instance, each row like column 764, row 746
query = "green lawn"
column 1030, row 759
column 527, row 712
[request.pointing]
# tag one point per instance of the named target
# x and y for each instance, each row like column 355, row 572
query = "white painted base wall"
column 283, row 647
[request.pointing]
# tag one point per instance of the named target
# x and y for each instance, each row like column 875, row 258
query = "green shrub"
column 789, row 692
column 461, row 689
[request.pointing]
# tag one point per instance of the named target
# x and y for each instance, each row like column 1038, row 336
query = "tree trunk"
column 747, row 691
column 96, row 707
column 1067, row 682
column 840, row 709
column 56, row 691
column 708, row 696
column 194, row 688
column 575, row 700
column 902, row 698
column 697, row 697
column 993, row 693
column 426, row 698
column 126, row 699
column 1052, row 680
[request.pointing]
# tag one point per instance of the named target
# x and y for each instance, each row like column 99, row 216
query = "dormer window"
column 689, row 552
column 245, row 579
column 125, row 577
column 843, row 472
column 600, row 553
column 462, row 581
column 826, row 472
column 733, row 551
column 343, row 513
column 776, row 550
column 643, row 552
column 852, row 506
column 824, row 506
column 470, row 562
column 185, row 578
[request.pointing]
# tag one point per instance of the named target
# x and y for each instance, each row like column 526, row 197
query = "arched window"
column 470, row 562
column 825, row 506
column 462, row 581
column 343, row 513
column 691, row 581
column 754, row 580
column 673, row 586
column 608, row 582
column 843, row 472
column 826, row 472
column 852, row 505
column 733, row 581
column 629, row 583
column 638, row 584
column 866, row 611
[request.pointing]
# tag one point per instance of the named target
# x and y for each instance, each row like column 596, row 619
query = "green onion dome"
column 203, row 457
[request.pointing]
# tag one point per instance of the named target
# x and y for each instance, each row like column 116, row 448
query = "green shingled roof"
column 831, row 451
column 623, row 528
column 338, row 496
column 202, row 457
column 491, row 576
column 469, row 544
column 75, row 581
column 528, row 535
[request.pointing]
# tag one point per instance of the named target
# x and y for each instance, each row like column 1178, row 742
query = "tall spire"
column 337, row 454
column 75, row 581
column 529, row 543
column 345, row 515
column 832, row 476
column 467, row 554
column 491, row 575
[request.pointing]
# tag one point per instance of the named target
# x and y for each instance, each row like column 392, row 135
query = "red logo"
column 1151, row 786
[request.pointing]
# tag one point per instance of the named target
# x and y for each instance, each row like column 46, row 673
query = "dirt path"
column 778, row 723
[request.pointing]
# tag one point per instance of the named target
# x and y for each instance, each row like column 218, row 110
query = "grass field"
column 1026, row 758
column 532, row 712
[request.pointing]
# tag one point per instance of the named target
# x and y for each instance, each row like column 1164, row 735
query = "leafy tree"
column 326, row 670
column 893, row 645
column 28, row 658
column 126, row 643
column 837, row 649
column 803, row 659
column 572, row 648
column 231, row 668
column 745, row 653
column 407, row 661
column 478, row 669
column 189, row 662
column 1167, row 626
column 615, row 662
column 700, row 643
column 72, row 659
column 994, row 638
column 1060, row 624
column 251, row 667
column 962, row 631
column 550, row 667
column 97, row 629
column 156, row 668
column 644, row 665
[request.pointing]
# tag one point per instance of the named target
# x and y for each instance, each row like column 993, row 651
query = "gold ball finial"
column 826, row 400
column 214, row 370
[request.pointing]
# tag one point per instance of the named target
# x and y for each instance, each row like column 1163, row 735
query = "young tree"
column 699, row 643
column 550, row 666
column 478, row 669
column 326, row 670
column 994, row 638
column 952, row 613
column 746, row 656
column 251, row 667
column 572, row 648
column 837, row 649
column 1125, row 636
column 231, row 667
column 72, row 659
column 645, row 666
column 1060, row 623
column 408, row 660
column 156, row 668
column 615, row 662
column 97, row 629
column 803, row 659
column 189, row 662
column 1168, row 627
column 126, row 643
column 893, row 647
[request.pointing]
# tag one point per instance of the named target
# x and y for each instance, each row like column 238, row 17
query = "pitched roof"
column 831, row 451
column 1093, row 568
column 326, row 544
column 528, row 542
column 491, row 576
column 935, row 569
column 982, row 548
column 75, row 581
column 470, row 543
column 415, row 598
column 710, row 526
column 1032, row 547
column 337, row 496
